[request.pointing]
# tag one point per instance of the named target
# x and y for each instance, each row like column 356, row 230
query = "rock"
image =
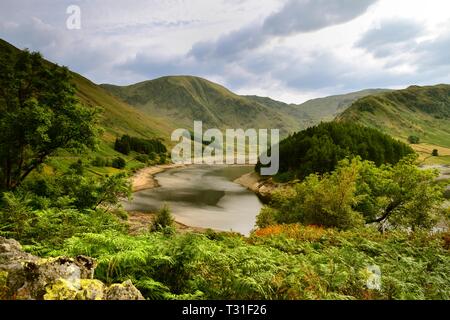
column 124, row 291
column 24, row 276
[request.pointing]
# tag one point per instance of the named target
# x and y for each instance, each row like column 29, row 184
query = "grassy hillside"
column 326, row 109
column 117, row 118
column 183, row 99
column 420, row 111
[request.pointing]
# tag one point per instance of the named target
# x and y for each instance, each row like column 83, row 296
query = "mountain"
column 326, row 109
column 416, row 111
column 183, row 99
column 116, row 119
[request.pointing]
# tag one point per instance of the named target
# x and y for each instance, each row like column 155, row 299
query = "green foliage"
column 39, row 114
column 50, row 227
column 142, row 158
column 327, row 265
column 182, row 99
column 163, row 219
column 119, row 163
column 413, row 139
column 72, row 190
column 398, row 196
column 125, row 144
column 401, row 196
column 99, row 162
column 319, row 149
column 419, row 111
column 15, row 215
column 77, row 167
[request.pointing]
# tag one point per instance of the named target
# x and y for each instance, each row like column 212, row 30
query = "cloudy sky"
column 290, row 50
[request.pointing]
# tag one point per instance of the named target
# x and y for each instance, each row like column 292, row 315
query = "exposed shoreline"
column 145, row 178
column 259, row 185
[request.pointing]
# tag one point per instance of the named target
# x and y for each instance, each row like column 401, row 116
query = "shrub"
column 283, row 262
column 401, row 195
column 163, row 219
column 435, row 153
column 142, row 158
column 119, row 163
column 413, row 139
column 99, row 162
column 77, row 167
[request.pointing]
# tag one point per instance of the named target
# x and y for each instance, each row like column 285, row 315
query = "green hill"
column 183, row 99
column 318, row 149
column 327, row 108
column 416, row 111
column 117, row 118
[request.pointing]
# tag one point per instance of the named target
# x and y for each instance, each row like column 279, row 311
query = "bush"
column 435, row 153
column 77, row 167
column 119, row 163
column 163, row 219
column 401, row 196
column 99, row 162
column 413, row 139
column 280, row 262
column 50, row 227
column 142, row 158
column 447, row 194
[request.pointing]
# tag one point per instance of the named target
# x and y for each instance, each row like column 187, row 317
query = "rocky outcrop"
column 263, row 187
column 24, row 276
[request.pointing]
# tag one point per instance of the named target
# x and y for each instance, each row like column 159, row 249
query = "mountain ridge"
column 422, row 111
column 183, row 99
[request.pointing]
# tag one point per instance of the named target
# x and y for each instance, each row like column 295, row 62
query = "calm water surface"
column 203, row 196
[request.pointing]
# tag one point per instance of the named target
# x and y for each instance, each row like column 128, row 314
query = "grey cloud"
column 296, row 16
column 434, row 53
column 393, row 36
column 310, row 15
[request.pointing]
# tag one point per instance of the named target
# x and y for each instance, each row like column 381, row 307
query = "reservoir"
column 203, row 196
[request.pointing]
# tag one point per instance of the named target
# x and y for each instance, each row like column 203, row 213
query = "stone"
column 124, row 291
column 27, row 277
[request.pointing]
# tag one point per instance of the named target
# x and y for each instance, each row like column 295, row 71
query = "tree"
column 88, row 192
column 319, row 149
column 327, row 200
column 435, row 153
column 398, row 196
column 39, row 114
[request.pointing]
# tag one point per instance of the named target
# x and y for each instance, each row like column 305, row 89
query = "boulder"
column 24, row 276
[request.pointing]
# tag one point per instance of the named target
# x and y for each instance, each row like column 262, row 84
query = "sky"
column 289, row 50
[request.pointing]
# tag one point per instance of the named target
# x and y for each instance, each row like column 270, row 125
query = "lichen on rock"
column 24, row 276
column 123, row 291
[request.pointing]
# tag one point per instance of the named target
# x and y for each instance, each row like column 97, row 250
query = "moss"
column 91, row 289
column 3, row 284
column 61, row 290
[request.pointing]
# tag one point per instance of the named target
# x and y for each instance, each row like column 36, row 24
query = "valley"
column 92, row 177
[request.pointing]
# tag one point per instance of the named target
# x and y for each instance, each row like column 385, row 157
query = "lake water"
column 203, row 196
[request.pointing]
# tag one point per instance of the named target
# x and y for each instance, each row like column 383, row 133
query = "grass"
column 420, row 111
column 183, row 99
